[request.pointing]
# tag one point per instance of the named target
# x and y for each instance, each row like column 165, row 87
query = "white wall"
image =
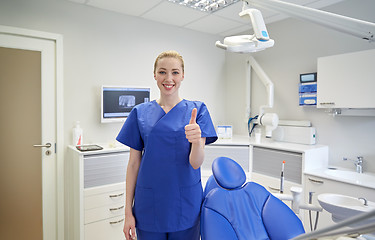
column 102, row 47
column 106, row 48
column 298, row 44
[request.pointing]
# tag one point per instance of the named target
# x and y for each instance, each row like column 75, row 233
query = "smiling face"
column 169, row 75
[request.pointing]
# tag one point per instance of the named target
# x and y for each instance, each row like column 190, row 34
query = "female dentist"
column 166, row 139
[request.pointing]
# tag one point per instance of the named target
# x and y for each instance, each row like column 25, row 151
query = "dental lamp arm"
column 220, row 45
column 352, row 26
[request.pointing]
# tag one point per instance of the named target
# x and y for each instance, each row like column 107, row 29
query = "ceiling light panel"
column 208, row 6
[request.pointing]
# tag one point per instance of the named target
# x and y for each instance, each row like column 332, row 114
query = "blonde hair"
column 171, row 54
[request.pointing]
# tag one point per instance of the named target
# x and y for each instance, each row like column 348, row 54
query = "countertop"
column 107, row 148
column 267, row 143
column 345, row 175
column 323, row 171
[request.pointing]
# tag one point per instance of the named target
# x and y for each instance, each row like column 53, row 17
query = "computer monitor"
column 118, row 101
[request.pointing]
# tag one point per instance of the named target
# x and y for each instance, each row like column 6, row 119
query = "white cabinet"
column 104, row 212
column 346, row 80
column 319, row 185
column 266, row 166
column 95, row 193
column 105, row 230
column 266, row 163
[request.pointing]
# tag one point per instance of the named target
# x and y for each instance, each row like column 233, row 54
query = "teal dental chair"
column 232, row 210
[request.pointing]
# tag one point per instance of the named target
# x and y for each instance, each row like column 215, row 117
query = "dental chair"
column 232, row 210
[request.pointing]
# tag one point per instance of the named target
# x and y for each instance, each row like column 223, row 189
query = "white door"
column 29, row 186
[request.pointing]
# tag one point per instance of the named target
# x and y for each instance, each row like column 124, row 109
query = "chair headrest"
column 228, row 173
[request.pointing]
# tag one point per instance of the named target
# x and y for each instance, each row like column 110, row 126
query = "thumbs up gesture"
column 192, row 130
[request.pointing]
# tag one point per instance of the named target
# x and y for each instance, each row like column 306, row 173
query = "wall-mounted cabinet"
column 347, row 80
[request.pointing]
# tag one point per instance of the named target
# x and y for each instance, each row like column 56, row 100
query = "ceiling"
column 224, row 22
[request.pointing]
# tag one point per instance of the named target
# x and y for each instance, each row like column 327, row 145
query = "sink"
column 351, row 176
column 343, row 207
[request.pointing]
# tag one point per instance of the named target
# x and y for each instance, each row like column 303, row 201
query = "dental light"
column 249, row 43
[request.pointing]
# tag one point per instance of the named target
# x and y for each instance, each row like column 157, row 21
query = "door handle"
column 47, row 145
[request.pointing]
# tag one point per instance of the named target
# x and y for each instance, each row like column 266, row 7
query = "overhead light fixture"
column 208, row 6
column 259, row 41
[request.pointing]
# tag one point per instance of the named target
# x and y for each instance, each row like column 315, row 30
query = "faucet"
column 358, row 163
column 364, row 200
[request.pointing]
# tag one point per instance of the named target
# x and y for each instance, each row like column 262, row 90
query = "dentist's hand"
column 129, row 227
column 192, row 130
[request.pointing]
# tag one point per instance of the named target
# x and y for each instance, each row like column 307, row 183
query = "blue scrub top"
column 168, row 192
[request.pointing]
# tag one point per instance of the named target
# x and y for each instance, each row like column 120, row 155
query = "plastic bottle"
column 77, row 135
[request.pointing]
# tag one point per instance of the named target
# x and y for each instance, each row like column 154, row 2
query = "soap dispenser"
column 77, row 134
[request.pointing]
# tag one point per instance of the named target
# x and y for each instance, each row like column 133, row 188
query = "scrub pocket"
column 191, row 200
column 182, row 148
column 144, row 211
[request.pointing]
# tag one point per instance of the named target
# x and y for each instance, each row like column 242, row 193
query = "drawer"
column 268, row 162
column 101, row 213
column 104, row 189
column 106, row 229
column 103, row 169
column 105, row 199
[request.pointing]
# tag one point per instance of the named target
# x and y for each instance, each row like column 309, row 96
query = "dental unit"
column 296, row 200
column 261, row 40
column 295, row 197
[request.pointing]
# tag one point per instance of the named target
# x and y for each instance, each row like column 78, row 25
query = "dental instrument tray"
column 91, row 147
